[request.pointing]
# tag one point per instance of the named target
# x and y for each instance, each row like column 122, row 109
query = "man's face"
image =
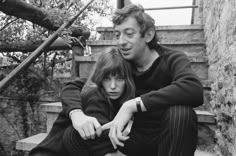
column 130, row 42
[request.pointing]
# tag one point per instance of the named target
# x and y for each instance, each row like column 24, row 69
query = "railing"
column 174, row 7
column 197, row 9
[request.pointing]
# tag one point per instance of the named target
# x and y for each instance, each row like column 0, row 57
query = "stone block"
column 29, row 143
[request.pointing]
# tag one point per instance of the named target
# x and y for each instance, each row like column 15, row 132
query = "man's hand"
column 88, row 127
column 121, row 119
column 117, row 153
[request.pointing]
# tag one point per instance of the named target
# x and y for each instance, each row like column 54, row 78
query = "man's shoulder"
column 169, row 51
column 172, row 53
column 92, row 92
column 78, row 82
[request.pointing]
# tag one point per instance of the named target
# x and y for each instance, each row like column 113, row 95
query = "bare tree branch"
column 28, row 46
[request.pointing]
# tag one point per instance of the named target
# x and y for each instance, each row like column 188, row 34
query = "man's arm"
column 185, row 89
column 71, row 102
column 70, row 95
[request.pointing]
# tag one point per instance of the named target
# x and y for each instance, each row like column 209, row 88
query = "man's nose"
column 122, row 40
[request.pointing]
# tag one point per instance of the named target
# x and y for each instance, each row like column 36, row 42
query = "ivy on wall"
column 223, row 101
column 220, row 34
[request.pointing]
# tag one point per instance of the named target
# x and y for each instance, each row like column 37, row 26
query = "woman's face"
column 114, row 86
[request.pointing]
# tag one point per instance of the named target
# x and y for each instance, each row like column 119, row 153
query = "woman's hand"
column 88, row 127
column 118, row 124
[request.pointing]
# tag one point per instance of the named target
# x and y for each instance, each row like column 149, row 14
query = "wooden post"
column 197, row 13
column 77, row 50
column 120, row 4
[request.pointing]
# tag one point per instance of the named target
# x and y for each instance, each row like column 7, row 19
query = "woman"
column 108, row 87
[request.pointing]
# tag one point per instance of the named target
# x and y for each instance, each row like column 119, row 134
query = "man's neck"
column 146, row 61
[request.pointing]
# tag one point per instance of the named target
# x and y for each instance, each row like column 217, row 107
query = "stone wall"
column 19, row 118
column 18, row 121
column 220, row 33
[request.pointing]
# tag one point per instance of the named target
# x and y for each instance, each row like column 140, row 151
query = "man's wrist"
column 75, row 111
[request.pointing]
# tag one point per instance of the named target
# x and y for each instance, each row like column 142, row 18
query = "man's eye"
column 129, row 34
column 117, row 35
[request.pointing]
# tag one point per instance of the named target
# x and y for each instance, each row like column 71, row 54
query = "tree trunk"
column 42, row 17
column 29, row 46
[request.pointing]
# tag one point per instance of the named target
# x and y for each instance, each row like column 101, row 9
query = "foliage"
column 30, row 87
column 17, row 30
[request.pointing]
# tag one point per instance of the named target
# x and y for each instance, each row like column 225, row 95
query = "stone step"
column 184, row 33
column 199, row 63
column 193, row 57
column 161, row 27
column 186, row 46
column 29, row 143
column 52, row 110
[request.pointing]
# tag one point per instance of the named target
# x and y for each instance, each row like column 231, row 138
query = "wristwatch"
column 138, row 104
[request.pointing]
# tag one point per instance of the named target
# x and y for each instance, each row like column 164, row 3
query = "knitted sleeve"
column 185, row 89
column 70, row 95
column 96, row 105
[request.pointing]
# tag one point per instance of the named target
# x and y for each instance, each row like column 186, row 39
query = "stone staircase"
column 189, row 38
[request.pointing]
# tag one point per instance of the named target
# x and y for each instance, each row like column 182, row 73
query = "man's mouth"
column 125, row 49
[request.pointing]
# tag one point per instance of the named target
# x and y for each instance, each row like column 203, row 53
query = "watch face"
column 138, row 105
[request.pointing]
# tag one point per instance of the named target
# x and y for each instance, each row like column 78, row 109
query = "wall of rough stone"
column 17, row 119
column 219, row 17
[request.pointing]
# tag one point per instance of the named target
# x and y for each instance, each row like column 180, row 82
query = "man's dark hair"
column 144, row 20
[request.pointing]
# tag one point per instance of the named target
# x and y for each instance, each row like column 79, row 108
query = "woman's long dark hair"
column 111, row 62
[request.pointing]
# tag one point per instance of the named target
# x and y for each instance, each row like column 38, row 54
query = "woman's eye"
column 120, row 78
column 106, row 79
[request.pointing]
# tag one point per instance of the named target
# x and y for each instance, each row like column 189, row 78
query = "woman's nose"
column 113, row 84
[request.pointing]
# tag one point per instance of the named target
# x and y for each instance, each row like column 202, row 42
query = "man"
column 166, row 91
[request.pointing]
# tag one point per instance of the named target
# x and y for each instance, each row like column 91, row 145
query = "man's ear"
column 150, row 34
